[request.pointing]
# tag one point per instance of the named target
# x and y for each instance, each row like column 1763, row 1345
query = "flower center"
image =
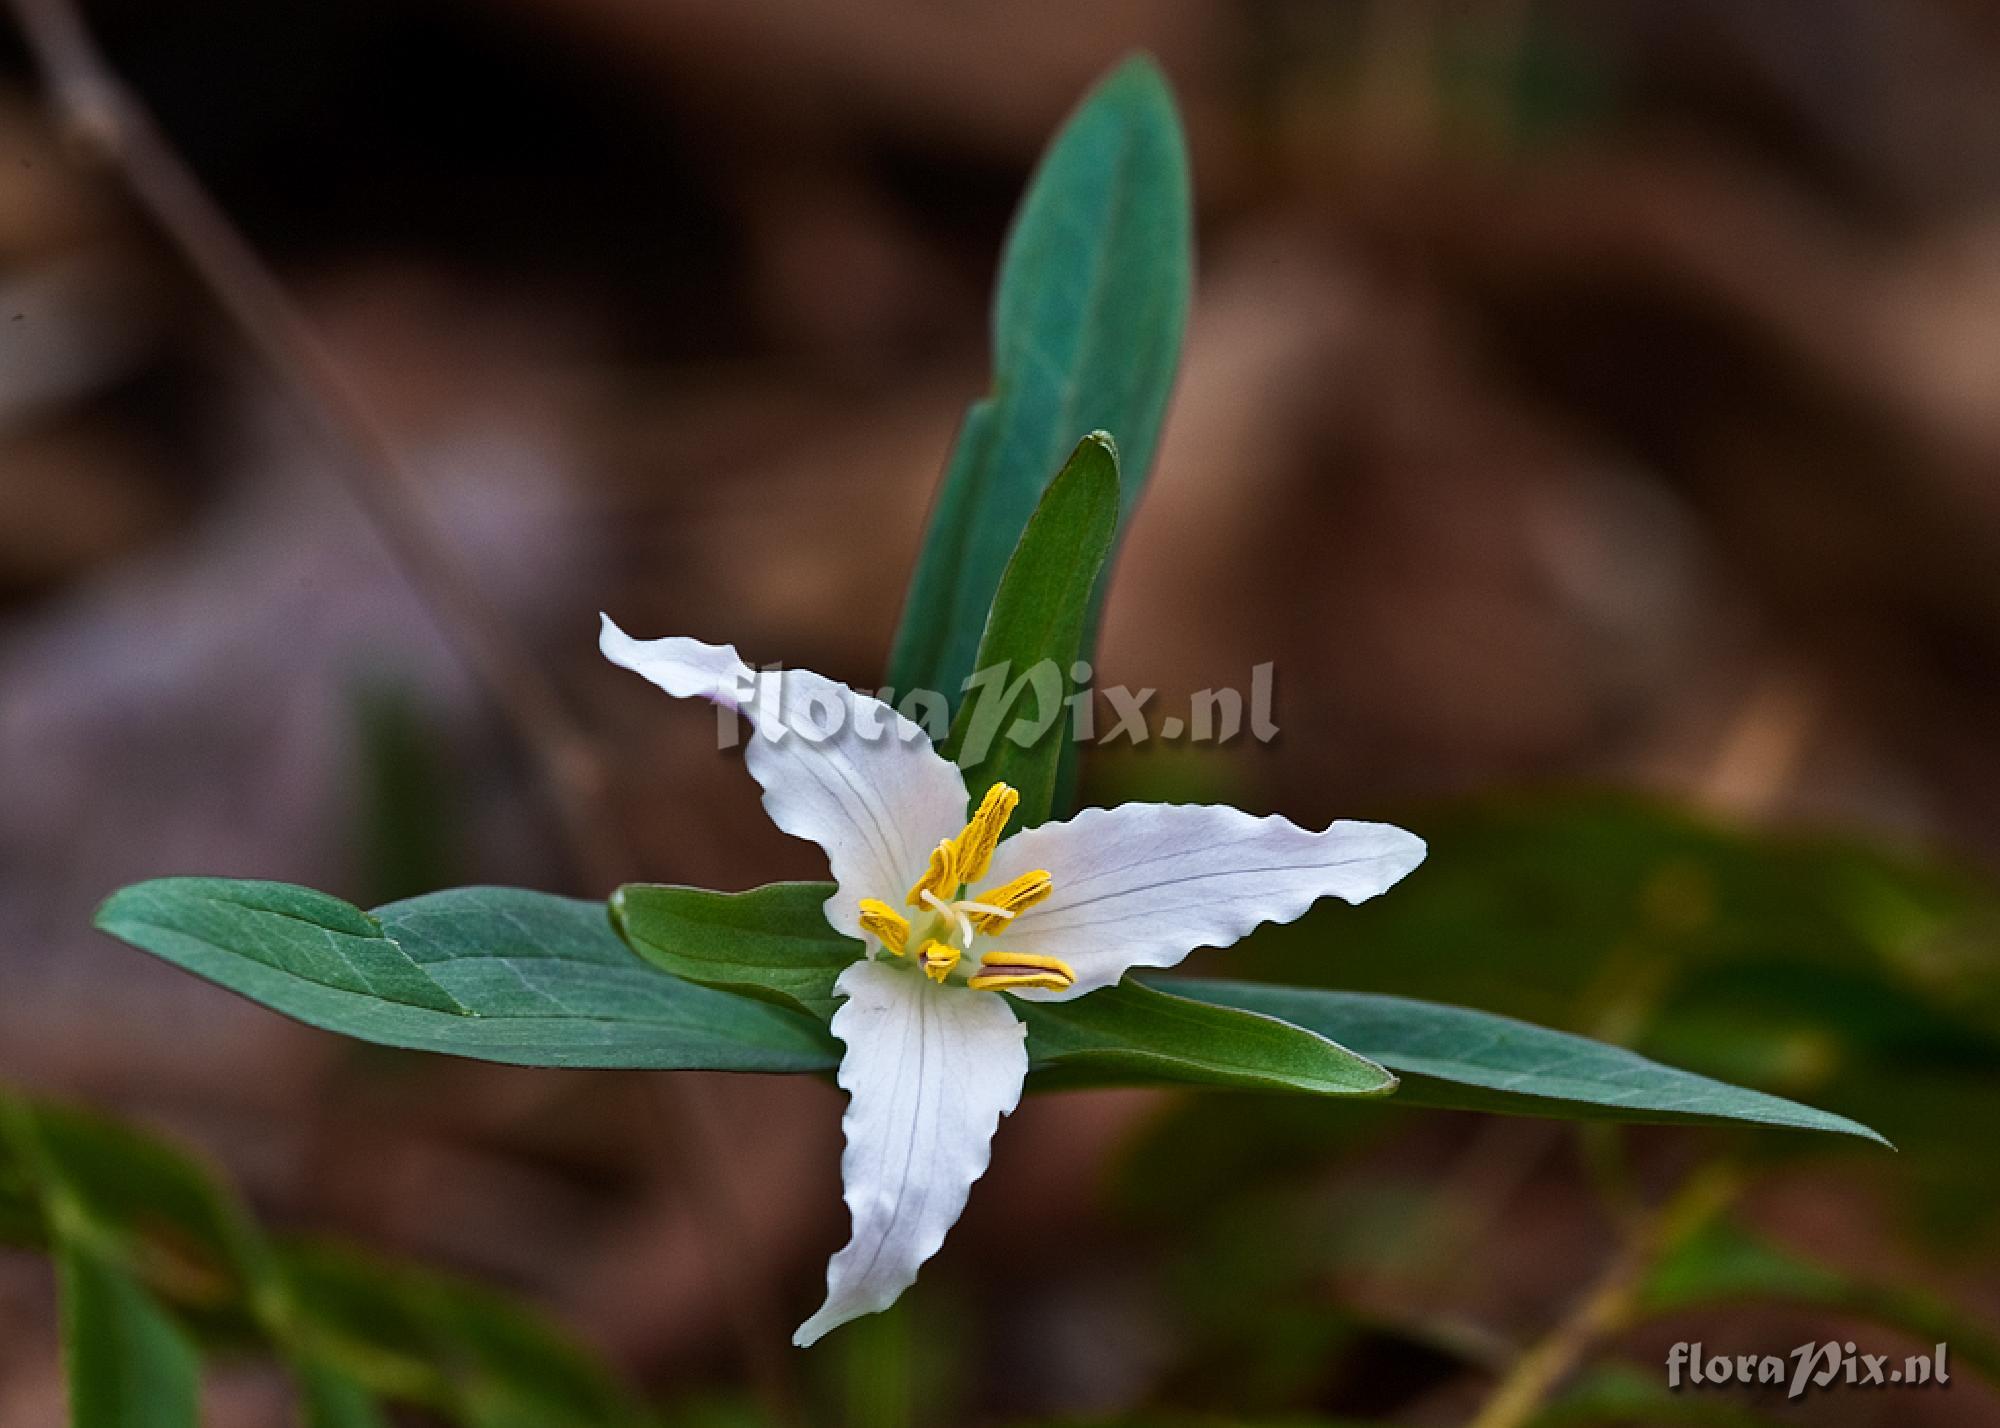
column 947, row 923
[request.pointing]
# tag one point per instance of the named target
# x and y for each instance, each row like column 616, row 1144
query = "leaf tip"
column 1104, row 440
column 1140, row 74
column 114, row 915
column 106, row 911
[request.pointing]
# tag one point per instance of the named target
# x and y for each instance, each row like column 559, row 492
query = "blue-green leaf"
column 1462, row 1059
column 500, row 974
column 1087, row 325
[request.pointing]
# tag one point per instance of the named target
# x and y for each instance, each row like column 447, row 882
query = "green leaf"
column 154, row 1252
column 774, row 939
column 542, row 980
column 772, row 942
column 1728, row 1263
column 775, row 943
column 1087, row 325
column 499, row 974
column 1035, row 633
column 128, row 1365
column 466, row 1350
column 1793, row 958
column 1457, row 1058
column 1137, row 1034
column 330, row 1398
column 148, row 1207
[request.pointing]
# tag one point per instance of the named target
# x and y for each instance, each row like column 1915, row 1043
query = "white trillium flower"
column 949, row 915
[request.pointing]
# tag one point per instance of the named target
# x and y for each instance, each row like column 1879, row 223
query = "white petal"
column 837, row 766
column 1144, row 884
column 929, row 1070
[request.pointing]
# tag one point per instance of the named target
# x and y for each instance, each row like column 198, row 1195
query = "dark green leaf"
column 1087, row 325
column 329, row 1398
column 155, row 1252
column 430, row 1337
column 403, row 839
column 1138, row 1034
column 1462, row 1059
column 150, row 1207
column 499, row 974
column 1727, row 1263
column 128, row 1365
column 772, row 942
column 1786, row 955
column 1012, row 726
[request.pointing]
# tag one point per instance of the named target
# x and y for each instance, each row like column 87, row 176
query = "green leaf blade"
column 128, row 1365
column 1035, row 634
column 775, row 942
column 330, row 1398
column 291, row 930
column 536, row 980
column 1132, row 1032
column 467, row 1351
column 772, row 942
column 1088, row 319
column 1461, row 1059
column 1730, row 1264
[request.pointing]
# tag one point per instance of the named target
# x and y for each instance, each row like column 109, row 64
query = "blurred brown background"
column 1598, row 393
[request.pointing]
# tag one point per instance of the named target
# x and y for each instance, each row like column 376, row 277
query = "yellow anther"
column 937, row 959
column 999, row 906
column 1012, row 971
column 941, row 879
column 975, row 845
column 885, row 924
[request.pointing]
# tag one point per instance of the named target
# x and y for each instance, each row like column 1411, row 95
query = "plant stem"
column 1609, row 1305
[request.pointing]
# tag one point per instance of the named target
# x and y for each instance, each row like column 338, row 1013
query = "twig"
column 96, row 108
column 1609, row 1305
column 98, row 111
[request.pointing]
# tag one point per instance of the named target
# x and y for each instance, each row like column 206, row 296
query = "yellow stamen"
column 941, row 879
column 885, row 924
column 937, row 959
column 975, row 845
column 999, row 906
column 1011, row 971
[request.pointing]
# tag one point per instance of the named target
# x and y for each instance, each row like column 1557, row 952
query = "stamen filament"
column 1010, row 899
column 982, row 909
column 950, row 910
